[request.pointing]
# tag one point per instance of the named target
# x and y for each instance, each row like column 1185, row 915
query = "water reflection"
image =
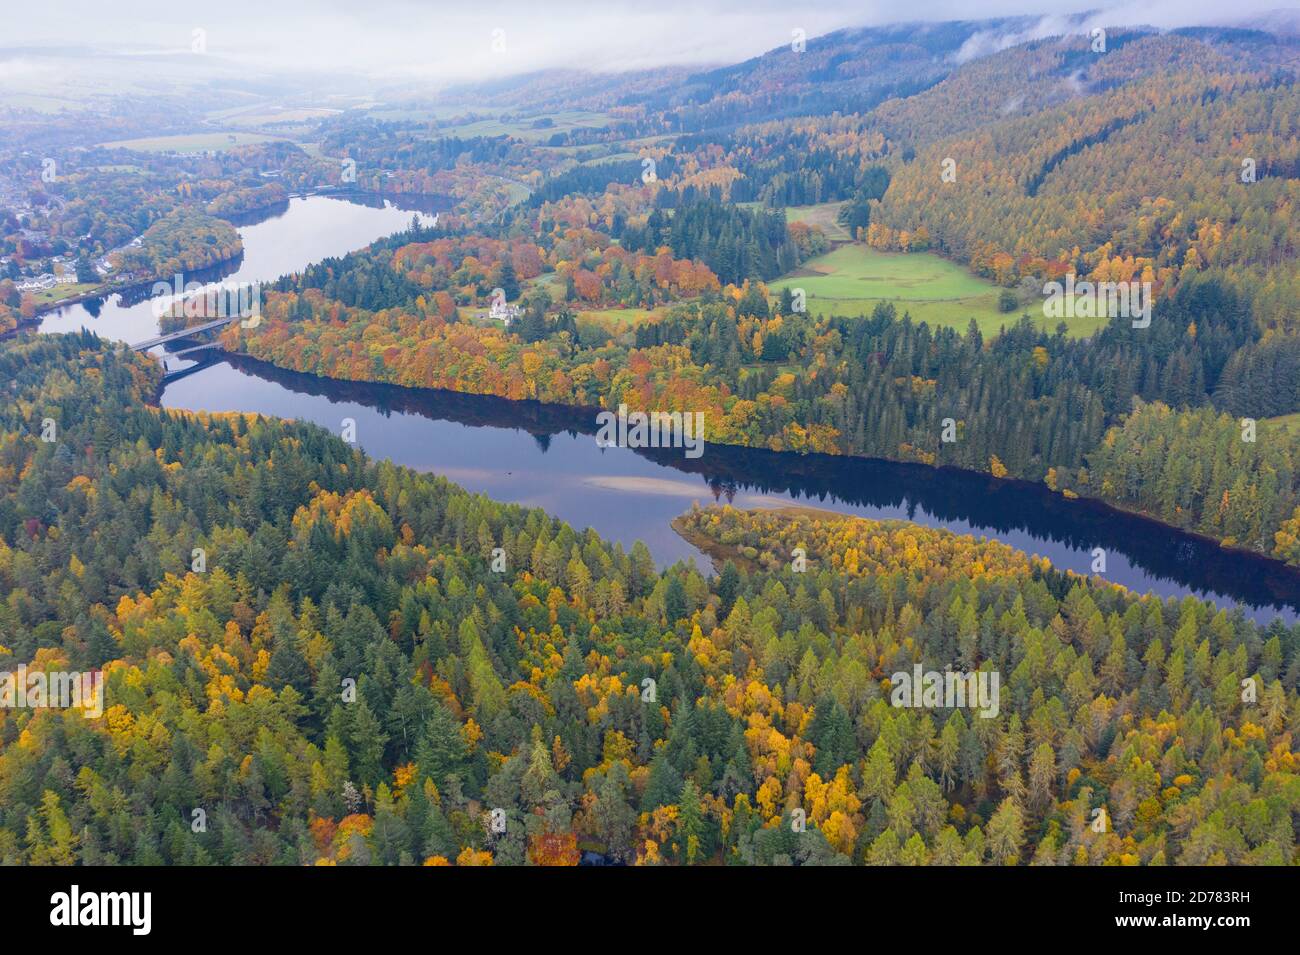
column 546, row 455
column 277, row 241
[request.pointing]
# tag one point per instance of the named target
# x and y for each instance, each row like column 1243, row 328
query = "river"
column 547, row 456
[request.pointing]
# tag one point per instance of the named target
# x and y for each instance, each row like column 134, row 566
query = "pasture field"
column 613, row 157
column 850, row 281
column 50, row 296
column 824, row 215
column 191, row 142
column 618, row 316
column 1290, row 423
column 523, row 128
column 550, row 281
column 281, row 116
column 431, row 113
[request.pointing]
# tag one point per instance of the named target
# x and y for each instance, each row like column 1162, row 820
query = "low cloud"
column 445, row 41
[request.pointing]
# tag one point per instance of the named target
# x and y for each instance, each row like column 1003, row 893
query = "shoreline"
column 107, row 289
column 1103, row 507
column 104, row 291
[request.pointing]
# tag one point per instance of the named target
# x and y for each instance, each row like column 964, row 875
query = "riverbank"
column 1067, row 498
column 100, row 291
column 545, row 455
column 720, row 553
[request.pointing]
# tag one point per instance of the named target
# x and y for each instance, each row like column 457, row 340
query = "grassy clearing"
column 38, row 102
column 59, row 293
column 518, row 192
column 191, row 142
column 440, row 114
column 281, row 116
column 614, row 157
column 562, row 121
column 824, row 215
column 1290, row 423
column 618, row 316
column 860, row 272
column 642, row 141
column 850, row 281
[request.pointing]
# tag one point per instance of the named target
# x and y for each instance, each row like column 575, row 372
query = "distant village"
column 58, row 270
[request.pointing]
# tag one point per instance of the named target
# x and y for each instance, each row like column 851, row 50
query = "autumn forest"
column 306, row 653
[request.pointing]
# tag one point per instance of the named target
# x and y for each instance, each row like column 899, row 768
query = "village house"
column 504, row 312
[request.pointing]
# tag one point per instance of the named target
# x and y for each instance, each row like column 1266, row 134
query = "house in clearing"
column 504, row 312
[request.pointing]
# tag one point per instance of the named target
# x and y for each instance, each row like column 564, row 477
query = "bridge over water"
column 183, row 333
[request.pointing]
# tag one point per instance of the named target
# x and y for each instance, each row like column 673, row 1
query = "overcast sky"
column 440, row 40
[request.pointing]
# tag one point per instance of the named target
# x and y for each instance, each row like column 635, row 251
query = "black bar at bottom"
column 365, row 905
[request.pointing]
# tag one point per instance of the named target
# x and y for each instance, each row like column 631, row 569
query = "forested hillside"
column 1143, row 181
column 1137, row 156
column 767, row 376
column 846, row 246
column 348, row 680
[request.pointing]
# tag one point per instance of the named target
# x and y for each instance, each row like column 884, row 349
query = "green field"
column 518, row 192
column 851, row 279
column 549, row 281
column 280, row 117
column 191, row 143
column 613, row 317
column 1290, row 423
column 617, row 316
column 431, row 113
column 38, row 104
column 613, row 157
column 522, row 128
column 824, row 215
column 50, row 296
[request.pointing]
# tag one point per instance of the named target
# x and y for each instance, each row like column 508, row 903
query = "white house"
column 504, row 312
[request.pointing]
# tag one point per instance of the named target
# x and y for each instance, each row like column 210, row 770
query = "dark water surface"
column 547, row 456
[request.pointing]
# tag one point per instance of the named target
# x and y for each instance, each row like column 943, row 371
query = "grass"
column 517, row 192
column 824, row 215
column 618, row 316
column 548, row 282
column 50, row 296
column 615, row 317
column 1290, row 423
column 191, row 142
column 277, row 116
column 563, row 121
column 613, row 157
column 850, row 281
column 432, row 113
column 860, row 272
column 37, row 102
